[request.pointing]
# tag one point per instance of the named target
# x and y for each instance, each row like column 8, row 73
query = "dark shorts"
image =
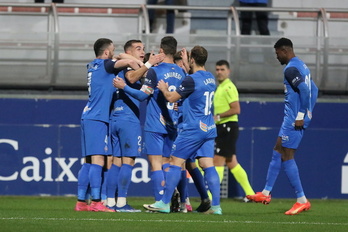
column 225, row 142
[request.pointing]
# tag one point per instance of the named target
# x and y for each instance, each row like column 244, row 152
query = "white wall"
column 311, row 3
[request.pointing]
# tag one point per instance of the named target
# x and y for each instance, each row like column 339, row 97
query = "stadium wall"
column 40, row 148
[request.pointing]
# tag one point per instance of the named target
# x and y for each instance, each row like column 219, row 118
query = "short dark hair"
column 177, row 56
column 283, row 42
column 100, row 45
column 146, row 57
column 169, row 44
column 199, row 54
column 223, row 62
column 129, row 43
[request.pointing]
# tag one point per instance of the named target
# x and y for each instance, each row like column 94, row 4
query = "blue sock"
column 182, row 186
column 273, row 170
column 83, row 181
column 157, row 178
column 111, row 185
column 291, row 170
column 173, row 178
column 95, row 178
column 213, row 182
column 164, row 167
column 199, row 182
column 124, row 179
column 104, row 181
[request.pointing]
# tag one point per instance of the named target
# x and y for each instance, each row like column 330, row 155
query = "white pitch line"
column 176, row 221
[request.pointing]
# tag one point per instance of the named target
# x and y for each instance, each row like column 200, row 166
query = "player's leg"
column 182, row 149
column 272, row 175
column 82, row 178
column 154, row 149
column 96, row 137
column 291, row 170
column 211, row 177
column 199, row 182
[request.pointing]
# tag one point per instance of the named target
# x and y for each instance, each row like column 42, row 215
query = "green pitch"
column 22, row 214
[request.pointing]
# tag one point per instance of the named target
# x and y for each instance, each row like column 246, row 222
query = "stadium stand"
column 46, row 46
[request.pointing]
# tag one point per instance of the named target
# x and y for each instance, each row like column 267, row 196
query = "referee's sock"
column 220, row 170
column 242, row 178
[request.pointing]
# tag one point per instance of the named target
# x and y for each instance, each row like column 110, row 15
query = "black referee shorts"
column 225, row 142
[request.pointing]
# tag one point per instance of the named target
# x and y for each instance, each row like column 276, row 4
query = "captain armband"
column 147, row 89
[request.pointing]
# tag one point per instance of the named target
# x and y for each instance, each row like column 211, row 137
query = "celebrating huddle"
column 180, row 127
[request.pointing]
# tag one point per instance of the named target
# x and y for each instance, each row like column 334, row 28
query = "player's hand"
column 118, row 83
column 299, row 124
column 163, row 86
column 155, row 59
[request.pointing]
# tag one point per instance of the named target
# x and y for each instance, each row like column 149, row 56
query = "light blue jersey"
column 198, row 128
column 197, row 90
column 125, row 123
column 124, row 105
column 298, row 98
column 160, row 114
column 100, row 75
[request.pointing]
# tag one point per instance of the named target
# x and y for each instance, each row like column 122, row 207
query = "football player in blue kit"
column 198, row 130
column 161, row 118
column 95, row 122
column 126, row 142
column 300, row 97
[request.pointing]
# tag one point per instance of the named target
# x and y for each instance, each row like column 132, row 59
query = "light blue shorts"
column 95, row 138
column 125, row 138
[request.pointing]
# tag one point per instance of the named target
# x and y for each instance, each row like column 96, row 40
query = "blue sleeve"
column 151, row 78
column 109, row 65
column 294, row 77
column 304, row 96
column 137, row 94
column 187, row 87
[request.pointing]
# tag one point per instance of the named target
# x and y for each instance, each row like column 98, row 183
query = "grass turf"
column 23, row 213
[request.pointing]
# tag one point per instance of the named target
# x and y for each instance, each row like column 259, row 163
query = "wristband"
column 218, row 117
column 300, row 116
column 148, row 65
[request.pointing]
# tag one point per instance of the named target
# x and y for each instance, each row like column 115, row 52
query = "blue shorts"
column 95, row 138
column 158, row 144
column 188, row 148
column 125, row 138
column 291, row 138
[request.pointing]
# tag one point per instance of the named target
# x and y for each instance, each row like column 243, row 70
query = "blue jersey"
column 160, row 114
column 124, row 105
column 297, row 82
column 100, row 75
column 197, row 90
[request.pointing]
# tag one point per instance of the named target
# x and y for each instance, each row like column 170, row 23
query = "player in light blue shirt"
column 161, row 118
column 300, row 97
column 198, row 130
column 126, row 142
column 95, row 122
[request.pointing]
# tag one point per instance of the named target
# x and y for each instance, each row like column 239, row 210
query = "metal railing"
column 231, row 45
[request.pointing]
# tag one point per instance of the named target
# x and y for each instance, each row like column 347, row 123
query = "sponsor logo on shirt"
column 204, row 127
